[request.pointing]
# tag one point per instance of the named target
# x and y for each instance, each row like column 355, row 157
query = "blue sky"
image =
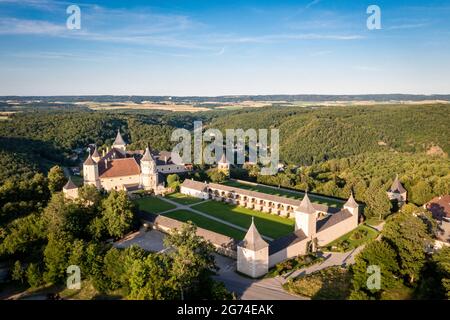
column 208, row 47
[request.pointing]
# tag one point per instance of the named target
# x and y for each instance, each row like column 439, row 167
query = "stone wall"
column 290, row 252
column 112, row 183
column 332, row 233
column 253, row 263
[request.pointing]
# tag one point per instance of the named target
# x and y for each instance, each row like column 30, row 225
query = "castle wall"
column 332, row 233
column 253, row 263
column 71, row 193
column 194, row 193
column 116, row 183
column 290, row 252
column 171, row 168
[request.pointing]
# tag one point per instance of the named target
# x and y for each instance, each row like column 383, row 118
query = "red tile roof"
column 118, row 168
column 439, row 206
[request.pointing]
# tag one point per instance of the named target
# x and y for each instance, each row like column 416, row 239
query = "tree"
column 442, row 262
column 89, row 195
column 56, row 255
column 421, row 193
column 152, row 279
column 56, row 179
column 17, row 273
column 118, row 213
column 173, row 181
column 216, row 176
column 382, row 255
column 191, row 260
column 408, row 236
column 377, row 203
column 34, row 275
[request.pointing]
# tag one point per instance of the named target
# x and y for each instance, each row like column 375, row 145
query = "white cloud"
column 15, row 26
column 312, row 3
column 286, row 37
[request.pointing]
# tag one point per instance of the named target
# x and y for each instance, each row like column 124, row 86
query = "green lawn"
column 282, row 193
column 353, row 239
column 153, row 204
column 333, row 283
column 183, row 198
column 205, row 223
column 268, row 224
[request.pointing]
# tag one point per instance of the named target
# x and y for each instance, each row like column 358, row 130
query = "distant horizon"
column 233, row 95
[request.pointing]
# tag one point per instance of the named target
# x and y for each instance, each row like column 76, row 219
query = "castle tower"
column 96, row 155
column 397, row 192
column 90, row 172
column 223, row 165
column 70, row 190
column 306, row 217
column 253, row 254
column 149, row 173
column 352, row 206
column 119, row 143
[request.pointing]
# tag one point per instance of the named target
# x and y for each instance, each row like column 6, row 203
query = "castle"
column 315, row 224
column 121, row 169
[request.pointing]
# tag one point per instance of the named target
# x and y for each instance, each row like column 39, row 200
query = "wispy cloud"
column 286, row 37
column 13, row 26
column 408, row 26
column 312, row 3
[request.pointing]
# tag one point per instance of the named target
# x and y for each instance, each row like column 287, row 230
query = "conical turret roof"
column 253, row 239
column 351, row 203
column 397, row 186
column 147, row 155
column 89, row 161
column 306, row 205
column 119, row 140
column 70, row 185
column 95, row 154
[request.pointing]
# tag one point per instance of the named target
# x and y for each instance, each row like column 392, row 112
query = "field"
column 182, row 198
column 153, row 205
column 205, row 223
column 353, row 239
column 269, row 225
column 284, row 193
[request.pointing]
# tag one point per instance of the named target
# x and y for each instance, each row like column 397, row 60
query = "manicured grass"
column 268, row 224
column 329, row 283
column 282, row 193
column 153, row 205
column 353, row 239
column 205, row 223
column 183, row 198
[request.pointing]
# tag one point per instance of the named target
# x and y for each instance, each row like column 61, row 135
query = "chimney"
column 106, row 163
column 165, row 159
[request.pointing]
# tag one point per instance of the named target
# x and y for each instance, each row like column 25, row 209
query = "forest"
column 331, row 151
